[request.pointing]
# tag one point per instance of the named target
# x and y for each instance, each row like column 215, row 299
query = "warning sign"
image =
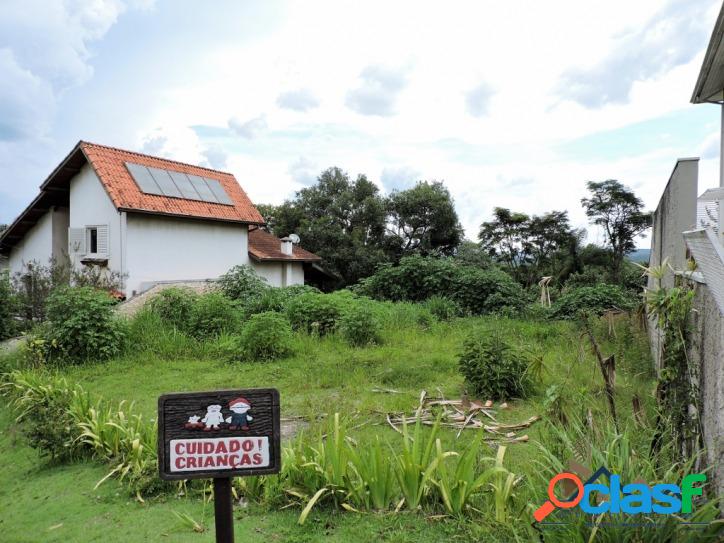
column 221, row 453
column 225, row 433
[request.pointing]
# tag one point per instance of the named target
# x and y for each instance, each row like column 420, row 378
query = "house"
column 151, row 219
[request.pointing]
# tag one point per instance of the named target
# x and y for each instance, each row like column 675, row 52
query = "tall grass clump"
column 360, row 325
column 493, row 368
column 266, row 336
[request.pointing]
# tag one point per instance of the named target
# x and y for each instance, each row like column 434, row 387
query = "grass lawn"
column 42, row 502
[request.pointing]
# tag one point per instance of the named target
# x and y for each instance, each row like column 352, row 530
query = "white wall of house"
column 90, row 206
column 159, row 249
column 280, row 274
column 37, row 244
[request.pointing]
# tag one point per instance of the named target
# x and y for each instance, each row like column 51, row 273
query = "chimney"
column 287, row 246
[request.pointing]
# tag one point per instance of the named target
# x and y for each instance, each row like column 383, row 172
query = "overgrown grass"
column 324, row 374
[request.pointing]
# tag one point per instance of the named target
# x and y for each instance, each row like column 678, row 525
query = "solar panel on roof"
column 143, row 178
column 218, row 191
column 184, row 185
column 178, row 184
column 163, row 179
column 202, row 188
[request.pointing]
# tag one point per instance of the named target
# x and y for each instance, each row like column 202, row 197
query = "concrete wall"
column 169, row 249
column 675, row 213
column 280, row 274
column 706, row 353
column 90, row 205
column 36, row 245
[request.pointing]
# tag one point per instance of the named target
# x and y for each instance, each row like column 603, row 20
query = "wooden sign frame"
column 229, row 420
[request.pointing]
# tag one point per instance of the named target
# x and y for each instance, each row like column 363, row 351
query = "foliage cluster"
column 7, row 301
column 595, row 300
column 198, row 315
column 81, row 326
column 266, row 336
column 493, row 368
column 63, row 422
column 417, row 278
column 355, row 229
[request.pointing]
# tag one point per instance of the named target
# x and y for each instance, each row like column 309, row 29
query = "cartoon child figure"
column 213, row 418
column 193, row 423
column 240, row 417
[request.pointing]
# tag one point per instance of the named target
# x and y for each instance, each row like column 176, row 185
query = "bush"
column 275, row 299
column 360, row 326
column 596, row 300
column 315, row 312
column 174, row 306
column 266, row 336
column 7, row 303
column 418, row 278
column 210, row 314
column 242, row 283
column 493, row 368
column 82, row 324
column 443, row 308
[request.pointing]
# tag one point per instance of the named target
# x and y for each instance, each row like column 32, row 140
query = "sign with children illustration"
column 224, row 433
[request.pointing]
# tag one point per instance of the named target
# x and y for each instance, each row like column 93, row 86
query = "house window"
column 93, row 240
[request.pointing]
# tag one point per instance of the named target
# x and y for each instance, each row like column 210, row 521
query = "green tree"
column 619, row 212
column 503, row 237
column 470, row 253
column 341, row 220
column 423, row 220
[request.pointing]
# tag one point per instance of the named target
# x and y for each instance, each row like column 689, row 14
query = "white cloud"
column 477, row 99
column 672, row 37
column 377, row 92
column 44, row 51
column 250, row 128
column 399, row 178
column 298, row 100
column 304, row 171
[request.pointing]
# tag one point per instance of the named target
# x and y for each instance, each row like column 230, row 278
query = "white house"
column 151, row 219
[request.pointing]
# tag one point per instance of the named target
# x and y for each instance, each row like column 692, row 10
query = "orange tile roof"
column 109, row 165
column 266, row 246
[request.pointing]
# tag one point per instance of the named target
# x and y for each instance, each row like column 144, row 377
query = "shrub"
column 210, row 314
column 35, row 282
column 315, row 312
column 266, row 336
column 275, row 299
column 7, row 303
column 242, row 283
column 597, row 300
column 83, row 324
column 360, row 326
column 174, row 305
column 493, row 368
column 418, row 278
column 443, row 308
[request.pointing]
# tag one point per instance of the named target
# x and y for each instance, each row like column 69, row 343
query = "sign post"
column 219, row 435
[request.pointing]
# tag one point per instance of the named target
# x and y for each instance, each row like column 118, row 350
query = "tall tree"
column 619, row 212
column 423, row 220
column 341, row 220
column 503, row 237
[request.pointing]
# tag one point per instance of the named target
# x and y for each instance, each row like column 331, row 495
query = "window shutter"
column 76, row 241
column 103, row 240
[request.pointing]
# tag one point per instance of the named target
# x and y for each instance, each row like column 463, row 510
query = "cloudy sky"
column 512, row 104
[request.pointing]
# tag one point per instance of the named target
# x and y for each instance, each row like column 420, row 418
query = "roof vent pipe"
column 287, row 246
